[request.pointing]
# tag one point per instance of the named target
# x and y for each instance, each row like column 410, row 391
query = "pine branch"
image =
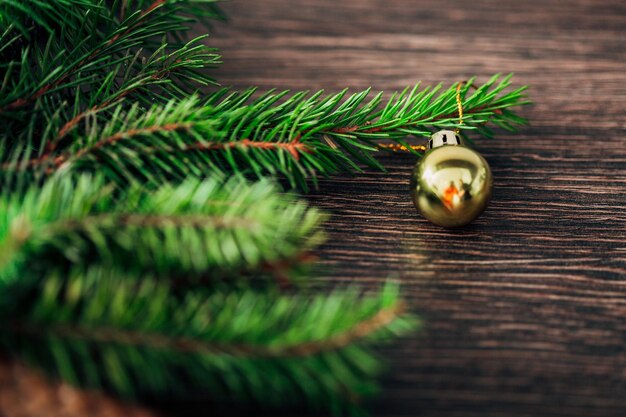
column 207, row 230
column 137, row 337
column 48, row 70
column 297, row 137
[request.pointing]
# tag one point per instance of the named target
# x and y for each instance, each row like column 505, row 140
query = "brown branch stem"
column 127, row 134
column 152, row 220
column 294, row 147
column 197, row 346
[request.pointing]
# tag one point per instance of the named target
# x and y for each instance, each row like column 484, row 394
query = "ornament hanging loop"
column 459, row 104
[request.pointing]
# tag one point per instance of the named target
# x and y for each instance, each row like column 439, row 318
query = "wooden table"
column 525, row 310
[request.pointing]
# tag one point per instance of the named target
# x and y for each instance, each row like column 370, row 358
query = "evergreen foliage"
column 138, row 336
column 196, row 229
column 137, row 256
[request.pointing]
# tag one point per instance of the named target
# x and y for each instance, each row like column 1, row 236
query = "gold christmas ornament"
column 451, row 184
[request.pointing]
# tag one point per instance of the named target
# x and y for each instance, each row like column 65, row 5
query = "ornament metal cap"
column 443, row 138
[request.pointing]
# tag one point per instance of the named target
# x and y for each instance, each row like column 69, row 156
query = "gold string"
column 459, row 104
column 394, row 147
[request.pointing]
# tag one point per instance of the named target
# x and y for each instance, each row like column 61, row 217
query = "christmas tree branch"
column 297, row 137
column 181, row 344
column 207, row 229
column 62, row 63
column 221, row 344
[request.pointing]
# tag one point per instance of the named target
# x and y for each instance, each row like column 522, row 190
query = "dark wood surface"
column 525, row 310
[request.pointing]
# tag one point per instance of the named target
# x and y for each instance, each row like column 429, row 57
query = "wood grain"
column 526, row 308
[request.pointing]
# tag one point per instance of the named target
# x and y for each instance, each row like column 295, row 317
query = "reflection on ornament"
column 451, row 196
column 451, row 184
